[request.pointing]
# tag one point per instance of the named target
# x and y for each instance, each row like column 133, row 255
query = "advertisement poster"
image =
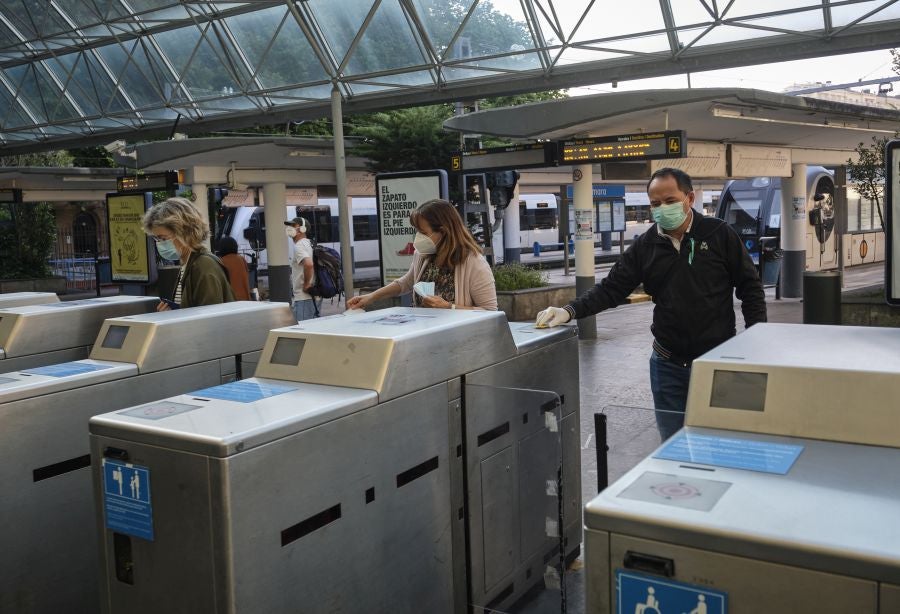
column 798, row 208
column 127, row 241
column 584, row 225
column 398, row 194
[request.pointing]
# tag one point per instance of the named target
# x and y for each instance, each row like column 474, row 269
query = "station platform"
column 614, row 381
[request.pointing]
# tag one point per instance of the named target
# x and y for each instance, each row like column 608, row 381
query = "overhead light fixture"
column 743, row 114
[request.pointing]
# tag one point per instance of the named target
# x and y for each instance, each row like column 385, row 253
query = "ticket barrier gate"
column 20, row 299
column 347, row 474
column 50, row 333
column 781, row 494
column 49, row 532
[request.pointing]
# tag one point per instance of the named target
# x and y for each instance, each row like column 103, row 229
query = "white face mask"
column 290, row 231
column 423, row 244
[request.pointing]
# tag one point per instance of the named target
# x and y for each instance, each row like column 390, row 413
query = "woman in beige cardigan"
column 446, row 254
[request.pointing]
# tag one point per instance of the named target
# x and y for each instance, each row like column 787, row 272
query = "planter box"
column 50, row 284
column 523, row 305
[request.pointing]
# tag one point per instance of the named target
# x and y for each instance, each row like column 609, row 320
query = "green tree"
column 92, row 157
column 867, row 173
column 50, row 158
column 27, row 234
column 406, row 140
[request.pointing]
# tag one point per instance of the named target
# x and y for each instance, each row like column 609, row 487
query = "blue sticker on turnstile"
column 242, row 392
column 644, row 594
column 66, row 369
column 732, row 452
column 126, row 499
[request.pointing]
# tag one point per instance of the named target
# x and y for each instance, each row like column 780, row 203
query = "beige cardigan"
column 473, row 281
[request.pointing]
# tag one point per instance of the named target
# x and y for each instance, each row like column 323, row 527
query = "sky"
column 772, row 77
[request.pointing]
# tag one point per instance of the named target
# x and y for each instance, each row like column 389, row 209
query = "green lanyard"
column 691, row 255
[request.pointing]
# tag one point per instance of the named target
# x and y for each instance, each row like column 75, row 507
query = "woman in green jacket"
column 180, row 234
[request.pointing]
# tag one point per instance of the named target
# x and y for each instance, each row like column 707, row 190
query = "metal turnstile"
column 50, row 333
column 347, row 475
column 20, row 299
column 49, row 531
column 781, row 494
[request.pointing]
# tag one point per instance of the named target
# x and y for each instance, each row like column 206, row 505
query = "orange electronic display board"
column 624, row 147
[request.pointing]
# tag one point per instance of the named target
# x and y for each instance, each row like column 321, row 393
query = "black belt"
column 671, row 357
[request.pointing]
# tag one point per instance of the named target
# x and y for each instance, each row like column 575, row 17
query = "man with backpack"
column 303, row 274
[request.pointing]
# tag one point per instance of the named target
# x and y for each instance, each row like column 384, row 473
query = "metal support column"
column 583, row 197
column 340, row 172
column 793, row 232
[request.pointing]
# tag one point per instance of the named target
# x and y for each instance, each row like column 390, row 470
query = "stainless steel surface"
column 37, row 329
column 889, row 599
column 839, row 383
column 807, row 518
column 277, row 461
column 393, row 553
column 753, row 586
column 220, row 428
column 157, row 340
column 20, row 385
column 824, row 536
column 392, row 351
column 48, row 534
column 512, row 455
column 19, row 299
column 528, row 338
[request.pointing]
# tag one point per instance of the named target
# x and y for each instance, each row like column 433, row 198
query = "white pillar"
column 511, row 229
column 698, row 200
column 340, row 172
column 583, row 199
column 793, row 231
column 280, row 288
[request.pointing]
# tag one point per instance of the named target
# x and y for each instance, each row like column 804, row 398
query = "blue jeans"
column 305, row 310
column 669, row 384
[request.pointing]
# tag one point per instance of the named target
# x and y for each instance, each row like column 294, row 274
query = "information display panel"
column 624, row 147
column 534, row 155
column 148, row 182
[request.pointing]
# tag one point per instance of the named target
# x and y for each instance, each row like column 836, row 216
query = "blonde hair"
column 458, row 243
column 182, row 219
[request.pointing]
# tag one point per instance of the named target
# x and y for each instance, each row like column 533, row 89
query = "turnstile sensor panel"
column 739, row 390
column 115, row 337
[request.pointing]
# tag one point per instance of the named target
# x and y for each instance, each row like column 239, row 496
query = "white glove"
column 552, row 316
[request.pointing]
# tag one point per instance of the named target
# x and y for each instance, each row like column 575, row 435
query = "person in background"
column 181, row 234
column 303, row 276
column 446, row 254
column 692, row 266
column 238, row 273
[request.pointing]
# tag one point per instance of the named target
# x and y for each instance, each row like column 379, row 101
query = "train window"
column 537, row 219
column 324, row 228
column 742, row 210
column 365, row 227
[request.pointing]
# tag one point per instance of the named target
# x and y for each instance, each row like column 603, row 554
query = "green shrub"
column 517, row 276
column 27, row 235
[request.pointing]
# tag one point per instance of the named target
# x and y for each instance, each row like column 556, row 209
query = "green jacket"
column 205, row 282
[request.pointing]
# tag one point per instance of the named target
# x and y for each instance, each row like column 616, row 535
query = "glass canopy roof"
column 74, row 72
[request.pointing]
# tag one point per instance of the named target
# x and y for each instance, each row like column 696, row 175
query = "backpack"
column 329, row 276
